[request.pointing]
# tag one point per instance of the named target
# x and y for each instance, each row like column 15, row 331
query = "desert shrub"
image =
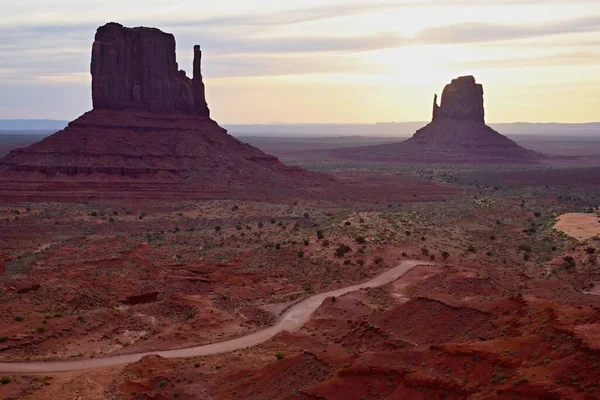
column 41, row 330
column 163, row 384
column 18, row 318
column 360, row 239
column 423, row 238
column 590, row 250
column 537, row 214
column 493, row 237
column 277, row 246
column 432, row 257
column 217, row 228
column 279, row 355
column 526, row 257
column 234, row 208
column 424, row 251
column 569, row 262
column 407, row 233
column 378, row 260
column 3, row 339
column 524, row 247
column 260, row 224
column 306, row 215
column 320, row 235
column 404, row 254
column 445, row 255
column 347, row 223
column 471, row 249
column 300, row 254
column 5, row 380
column 306, row 242
column 360, row 262
column 342, row 250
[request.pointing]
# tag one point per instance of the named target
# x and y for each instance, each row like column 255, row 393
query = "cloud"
column 476, row 32
column 560, row 59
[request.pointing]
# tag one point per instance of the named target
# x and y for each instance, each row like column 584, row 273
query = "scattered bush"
column 5, row 380
column 18, row 318
column 524, row 247
column 279, row 355
column 569, row 262
column 342, row 250
column 360, row 239
column 320, row 235
column 445, row 255
column 300, row 254
column 590, row 250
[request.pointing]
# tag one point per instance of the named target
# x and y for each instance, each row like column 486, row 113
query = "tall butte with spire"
column 457, row 133
column 149, row 135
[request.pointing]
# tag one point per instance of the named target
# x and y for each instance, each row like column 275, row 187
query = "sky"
column 310, row 61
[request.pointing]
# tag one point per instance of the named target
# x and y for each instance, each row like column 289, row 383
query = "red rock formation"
column 456, row 134
column 149, row 133
column 462, row 99
column 136, row 68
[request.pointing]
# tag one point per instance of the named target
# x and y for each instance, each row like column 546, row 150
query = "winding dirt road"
column 291, row 320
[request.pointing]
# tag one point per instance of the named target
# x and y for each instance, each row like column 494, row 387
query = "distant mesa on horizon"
column 457, row 133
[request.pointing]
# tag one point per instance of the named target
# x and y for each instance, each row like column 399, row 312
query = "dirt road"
column 291, row 320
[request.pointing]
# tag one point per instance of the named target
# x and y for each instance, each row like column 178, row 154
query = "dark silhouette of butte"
column 149, row 135
column 456, row 134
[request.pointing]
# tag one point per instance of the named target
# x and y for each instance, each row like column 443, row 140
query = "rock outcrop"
column 136, row 68
column 149, row 136
column 457, row 134
column 462, row 99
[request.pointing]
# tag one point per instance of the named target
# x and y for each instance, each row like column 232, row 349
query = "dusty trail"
column 291, row 320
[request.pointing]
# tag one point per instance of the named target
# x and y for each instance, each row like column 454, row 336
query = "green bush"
column 279, row 355
column 18, row 318
column 5, row 380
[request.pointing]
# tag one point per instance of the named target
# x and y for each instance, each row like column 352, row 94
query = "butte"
column 148, row 136
column 456, row 134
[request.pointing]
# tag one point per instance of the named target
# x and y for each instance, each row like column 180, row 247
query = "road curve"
column 291, row 320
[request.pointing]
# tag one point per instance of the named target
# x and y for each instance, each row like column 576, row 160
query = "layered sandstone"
column 457, row 134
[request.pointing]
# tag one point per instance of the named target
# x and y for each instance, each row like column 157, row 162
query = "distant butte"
column 457, row 133
column 149, row 135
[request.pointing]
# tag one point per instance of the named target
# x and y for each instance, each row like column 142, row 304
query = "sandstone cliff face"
column 461, row 99
column 136, row 68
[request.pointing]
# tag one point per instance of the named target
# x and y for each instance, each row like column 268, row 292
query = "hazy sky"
column 302, row 61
